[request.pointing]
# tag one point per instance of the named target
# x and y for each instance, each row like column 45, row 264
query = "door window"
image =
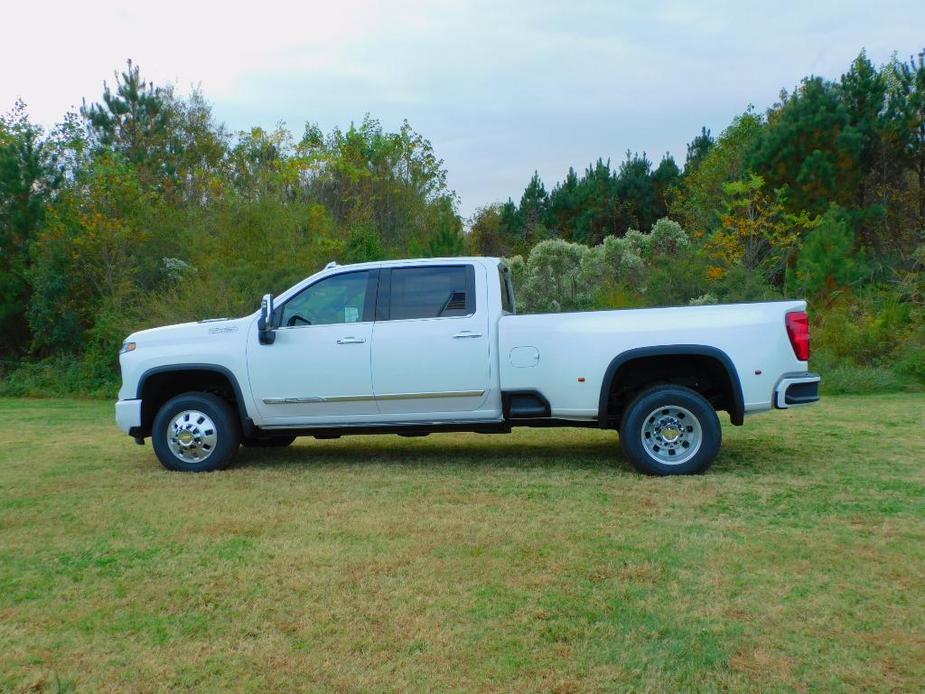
column 345, row 298
column 432, row 292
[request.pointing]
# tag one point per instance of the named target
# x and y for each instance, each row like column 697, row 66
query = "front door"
column 430, row 343
column 317, row 370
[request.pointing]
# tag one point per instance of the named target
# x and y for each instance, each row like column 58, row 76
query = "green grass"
column 536, row 561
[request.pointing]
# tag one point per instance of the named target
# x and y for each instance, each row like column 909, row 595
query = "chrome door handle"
column 351, row 340
column 466, row 333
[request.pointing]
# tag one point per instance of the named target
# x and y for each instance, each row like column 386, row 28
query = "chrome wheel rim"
column 191, row 436
column 671, row 434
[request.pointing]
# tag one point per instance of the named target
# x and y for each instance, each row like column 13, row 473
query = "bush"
column 863, row 330
column 667, row 238
column 844, row 379
column 911, row 357
column 554, row 280
column 59, row 376
column 743, row 284
column 677, row 280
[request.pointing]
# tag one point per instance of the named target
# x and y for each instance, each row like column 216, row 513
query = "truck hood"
column 211, row 329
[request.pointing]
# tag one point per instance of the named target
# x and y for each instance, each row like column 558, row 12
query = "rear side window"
column 507, row 291
column 432, row 292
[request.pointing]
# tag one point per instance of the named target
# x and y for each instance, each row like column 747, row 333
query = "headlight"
column 127, row 347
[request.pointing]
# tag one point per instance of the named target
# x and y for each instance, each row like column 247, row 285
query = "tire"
column 272, row 442
column 207, row 433
column 670, row 430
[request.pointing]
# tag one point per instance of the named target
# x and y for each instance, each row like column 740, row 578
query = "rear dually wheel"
column 670, row 430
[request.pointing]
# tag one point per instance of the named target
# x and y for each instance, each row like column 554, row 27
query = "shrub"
column 667, row 238
column 863, row 330
column 622, row 258
column 59, row 376
column 743, row 284
column 911, row 357
column 554, row 280
column 676, row 280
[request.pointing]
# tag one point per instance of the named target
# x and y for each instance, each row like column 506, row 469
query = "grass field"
column 535, row 561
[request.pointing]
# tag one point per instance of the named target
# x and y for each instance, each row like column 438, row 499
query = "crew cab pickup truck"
column 413, row 347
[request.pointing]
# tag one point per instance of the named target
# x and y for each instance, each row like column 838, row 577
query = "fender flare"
column 736, row 413
column 246, row 421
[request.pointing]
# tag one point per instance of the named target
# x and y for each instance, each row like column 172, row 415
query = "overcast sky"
column 501, row 89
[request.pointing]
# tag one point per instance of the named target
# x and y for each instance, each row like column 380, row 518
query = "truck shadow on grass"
column 477, row 452
column 436, row 454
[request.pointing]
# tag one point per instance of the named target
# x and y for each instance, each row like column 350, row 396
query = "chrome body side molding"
column 359, row 398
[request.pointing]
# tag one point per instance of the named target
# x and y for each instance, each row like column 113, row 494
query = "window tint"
column 337, row 299
column 432, row 292
column 507, row 299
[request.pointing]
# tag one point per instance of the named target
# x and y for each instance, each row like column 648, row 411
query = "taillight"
column 798, row 332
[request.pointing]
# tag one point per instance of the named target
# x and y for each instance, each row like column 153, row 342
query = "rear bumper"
column 797, row 389
column 128, row 415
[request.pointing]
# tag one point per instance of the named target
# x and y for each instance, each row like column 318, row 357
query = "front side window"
column 342, row 298
column 432, row 292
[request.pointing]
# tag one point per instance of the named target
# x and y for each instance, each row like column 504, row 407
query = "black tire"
column 227, row 432
column 272, row 442
column 635, row 441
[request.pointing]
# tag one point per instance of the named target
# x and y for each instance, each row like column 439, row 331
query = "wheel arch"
column 160, row 383
column 617, row 369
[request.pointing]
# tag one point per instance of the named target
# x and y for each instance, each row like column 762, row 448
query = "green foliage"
column 679, row 279
column 698, row 149
column 58, row 376
column 827, row 259
column 699, row 200
column 563, row 276
column 486, row 234
column 27, row 180
column 143, row 210
column 863, row 329
column 363, row 245
column 912, row 362
column 666, row 238
column 552, row 278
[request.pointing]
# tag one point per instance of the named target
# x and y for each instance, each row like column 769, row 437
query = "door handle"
column 466, row 333
column 351, row 340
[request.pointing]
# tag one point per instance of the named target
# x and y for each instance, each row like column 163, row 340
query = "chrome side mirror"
column 265, row 332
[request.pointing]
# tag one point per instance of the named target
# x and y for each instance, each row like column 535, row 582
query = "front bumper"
column 128, row 415
column 797, row 389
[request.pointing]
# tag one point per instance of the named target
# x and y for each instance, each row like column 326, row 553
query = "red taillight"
column 798, row 331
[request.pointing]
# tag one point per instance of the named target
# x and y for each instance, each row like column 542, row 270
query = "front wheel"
column 670, row 430
column 195, row 432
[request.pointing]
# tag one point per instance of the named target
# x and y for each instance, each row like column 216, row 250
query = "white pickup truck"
column 413, row 347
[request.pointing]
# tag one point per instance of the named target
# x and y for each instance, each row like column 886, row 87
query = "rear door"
column 430, row 355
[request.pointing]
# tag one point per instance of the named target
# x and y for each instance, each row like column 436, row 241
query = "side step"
column 525, row 404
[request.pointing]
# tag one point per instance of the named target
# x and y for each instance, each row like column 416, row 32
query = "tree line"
column 142, row 209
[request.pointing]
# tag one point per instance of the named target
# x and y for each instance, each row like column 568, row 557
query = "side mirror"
column 265, row 332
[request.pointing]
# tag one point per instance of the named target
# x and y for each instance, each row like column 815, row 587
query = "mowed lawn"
column 535, row 561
